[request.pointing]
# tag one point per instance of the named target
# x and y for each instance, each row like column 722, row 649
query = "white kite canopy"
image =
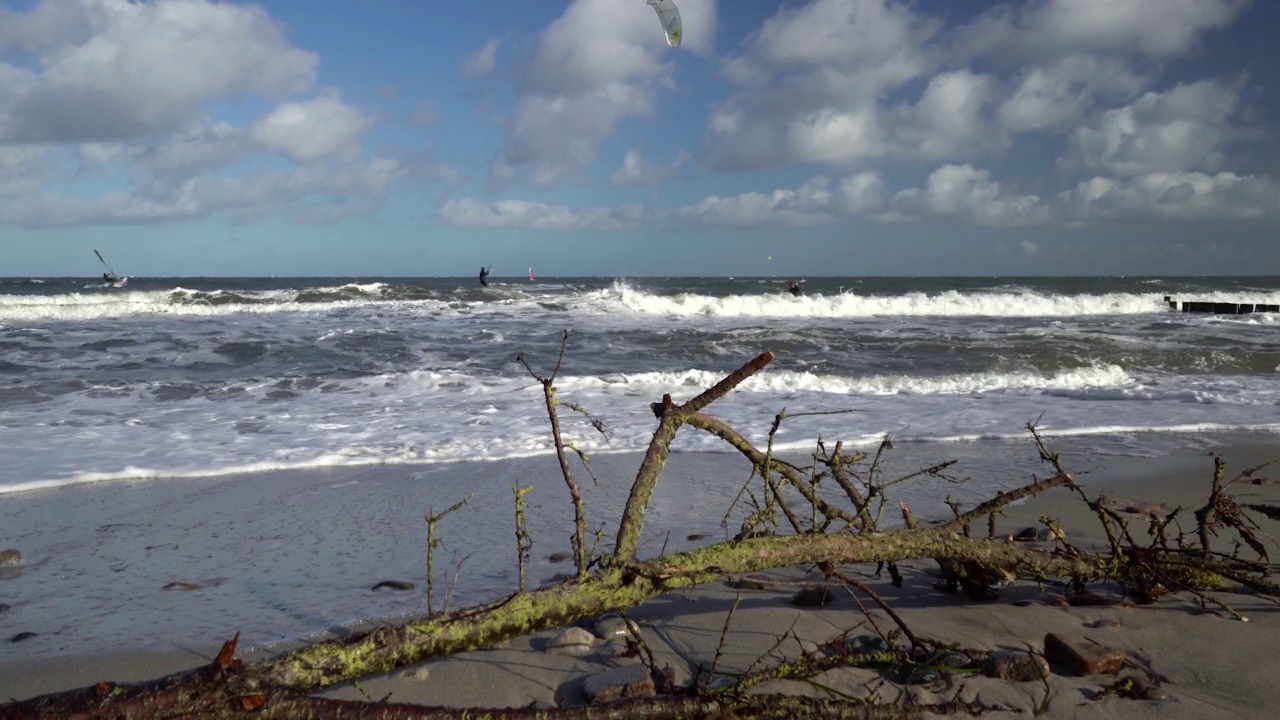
column 669, row 16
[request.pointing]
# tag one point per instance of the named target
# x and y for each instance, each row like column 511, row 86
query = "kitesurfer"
column 484, row 275
column 794, row 288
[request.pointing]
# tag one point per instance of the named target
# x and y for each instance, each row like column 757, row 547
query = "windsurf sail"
column 530, row 274
column 104, row 262
column 669, row 16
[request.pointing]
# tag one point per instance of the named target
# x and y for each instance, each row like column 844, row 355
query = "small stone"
column 1082, row 658
column 954, row 661
column 721, row 682
column 922, row 675
column 863, row 644
column 22, row 636
column 1015, row 666
column 1103, row 623
column 630, row 680
column 571, row 641
column 818, row 596
column 183, row 586
column 745, row 583
column 417, row 673
column 10, row 557
column 613, row 626
column 394, row 585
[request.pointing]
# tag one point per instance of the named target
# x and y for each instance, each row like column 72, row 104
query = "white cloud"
column 599, row 62
column 1182, row 129
column 315, row 188
column 22, row 169
column 482, row 61
column 471, row 213
column 1042, row 29
column 636, row 171
column 309, row 130
column 814, row 203
column 114, row 69
column 1174, row 196
column 1029, row 248
column 968, row 193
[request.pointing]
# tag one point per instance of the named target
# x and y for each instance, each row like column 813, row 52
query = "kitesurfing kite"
column 669, row 16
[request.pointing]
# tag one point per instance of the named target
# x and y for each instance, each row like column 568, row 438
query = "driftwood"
column 834, row 535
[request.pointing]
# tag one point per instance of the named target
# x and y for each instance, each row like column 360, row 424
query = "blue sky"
column 818, row 137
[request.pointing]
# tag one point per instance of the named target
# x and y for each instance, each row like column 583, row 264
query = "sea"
column 167, row 380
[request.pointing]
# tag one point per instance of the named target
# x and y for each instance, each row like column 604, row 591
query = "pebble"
column 954, row 661
column 1082, row 657
column 1015, row 666
column 571, row 641
column 922, row 675
column 184, row 586
column 816, row 596
column 613, row 626
column 394, row 585
column 864, row 644
column 417, row 673
column 630, row 680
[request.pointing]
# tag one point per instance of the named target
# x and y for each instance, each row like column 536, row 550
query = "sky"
column 808, row 137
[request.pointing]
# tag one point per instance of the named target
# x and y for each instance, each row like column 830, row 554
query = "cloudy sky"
column 811, row 137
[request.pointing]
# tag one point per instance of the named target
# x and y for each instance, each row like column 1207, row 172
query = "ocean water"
column 278, row 440
column 180, row 377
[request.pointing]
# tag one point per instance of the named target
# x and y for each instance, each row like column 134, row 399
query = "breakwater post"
column 1219, row 308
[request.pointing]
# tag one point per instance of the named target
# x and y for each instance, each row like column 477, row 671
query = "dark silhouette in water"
column 794, row 287
column 484, row 275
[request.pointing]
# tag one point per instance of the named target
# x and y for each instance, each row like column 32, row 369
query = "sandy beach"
column 1206, row 665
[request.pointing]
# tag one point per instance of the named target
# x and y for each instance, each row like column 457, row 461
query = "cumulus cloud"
column 863, row 82
column 969, row 194
column 1185, row 128
column 636, row 170
column 472, row 213
column 482, row 61
column 599, row 62
column 241, row 197
column 814, row 203
column 311, row 129
column 115, row 70
column 1042, row 29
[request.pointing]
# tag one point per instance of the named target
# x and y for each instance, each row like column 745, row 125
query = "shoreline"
column 456, row 680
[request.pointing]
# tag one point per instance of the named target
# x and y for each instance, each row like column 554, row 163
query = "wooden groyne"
column 1219, row 308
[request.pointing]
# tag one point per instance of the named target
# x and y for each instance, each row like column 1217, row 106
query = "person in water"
column 484, row 275
column 108, row 277
column 794, row 287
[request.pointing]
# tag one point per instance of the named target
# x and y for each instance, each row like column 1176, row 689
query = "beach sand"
column 1210, row 666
